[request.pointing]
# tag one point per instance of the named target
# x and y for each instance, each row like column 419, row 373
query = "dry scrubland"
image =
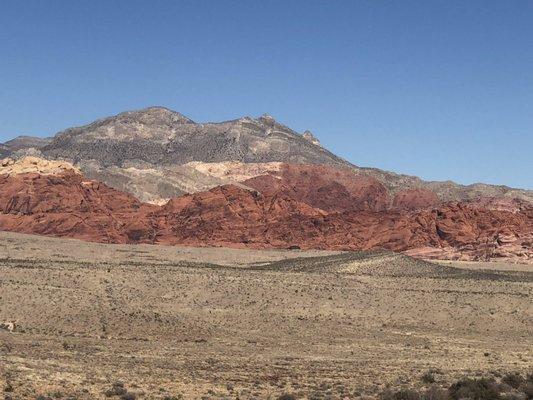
column 164, row 322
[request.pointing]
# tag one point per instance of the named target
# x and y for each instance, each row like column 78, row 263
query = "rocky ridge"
column 149, row 153
column 160, row 136
column 10, row 166
column 4, row 151
column 64, row 203
column 26, row 142
column 52, row 199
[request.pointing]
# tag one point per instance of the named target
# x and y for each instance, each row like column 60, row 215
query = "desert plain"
column 98, row 321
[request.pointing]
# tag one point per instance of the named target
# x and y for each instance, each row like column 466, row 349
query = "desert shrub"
column 436, row 393
column 474, row 389
column 513, row 396
column 528, row 390
column 387, row 394
column 287, row 396
column 428, row 377
column 407, row 395
column 515, row 380
column 400, row 395
column 117, row 389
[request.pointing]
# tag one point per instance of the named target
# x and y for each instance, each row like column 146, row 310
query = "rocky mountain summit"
column 159, row 136
column 26, row 142
column 154, row 154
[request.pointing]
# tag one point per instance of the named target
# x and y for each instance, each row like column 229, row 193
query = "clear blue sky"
column 439, row 89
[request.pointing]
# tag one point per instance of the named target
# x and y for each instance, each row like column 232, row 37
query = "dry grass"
column 330, row 326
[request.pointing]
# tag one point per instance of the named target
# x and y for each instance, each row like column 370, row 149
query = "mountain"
column 4, row 151
column 53, row 198
column 156, row 176
column 26, row 142
column 163, row 137
column 156, row 154
column 144, row 152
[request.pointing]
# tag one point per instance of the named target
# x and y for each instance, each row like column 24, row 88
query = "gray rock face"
column 159, row 136
column 311, row 138
column 26, row 142
column 4, row 151
column 143, row 152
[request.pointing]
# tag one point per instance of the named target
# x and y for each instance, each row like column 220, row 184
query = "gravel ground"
column 225, row 324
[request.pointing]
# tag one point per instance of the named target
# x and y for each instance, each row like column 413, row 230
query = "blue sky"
column 438, row 89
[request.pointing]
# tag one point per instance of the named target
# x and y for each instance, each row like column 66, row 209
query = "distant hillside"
column 4, row 151
column 307, row 207
column 151, row 153
column 160, row 136
column 25, row 142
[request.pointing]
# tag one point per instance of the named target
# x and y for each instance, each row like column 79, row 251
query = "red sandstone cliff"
column 300, row 209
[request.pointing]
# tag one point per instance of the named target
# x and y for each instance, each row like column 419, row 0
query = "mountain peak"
column 24, row 142
column 159, row 136
column 307, row 135
column 267, row 119
column 155, row 113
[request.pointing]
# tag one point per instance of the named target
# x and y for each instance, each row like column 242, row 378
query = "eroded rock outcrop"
column 412, row 199
column 335, row 212
column 324, row 187
column 235, row 216
column 37, row 165
column 65, row 204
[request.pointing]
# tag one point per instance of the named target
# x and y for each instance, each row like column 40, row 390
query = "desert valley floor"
column 214, row 323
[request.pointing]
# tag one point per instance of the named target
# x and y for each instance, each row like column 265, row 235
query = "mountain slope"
column 25, row 142
column 149, row 152
column 4, row 151
column 163, row 137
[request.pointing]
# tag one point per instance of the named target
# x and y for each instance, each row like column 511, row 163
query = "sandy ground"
column 192, row 323
column 31, row 247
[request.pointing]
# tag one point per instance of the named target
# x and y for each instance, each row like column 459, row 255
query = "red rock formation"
column 230, row 215
column 66, row 205
column 324, row 187
column 412, row 199
column 501, row 204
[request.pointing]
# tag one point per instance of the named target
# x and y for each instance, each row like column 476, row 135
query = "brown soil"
column 319, row 325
